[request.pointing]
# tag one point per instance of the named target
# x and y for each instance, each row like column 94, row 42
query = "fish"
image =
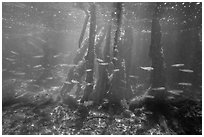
column 185, row 84
column 116, row 50
column 177, row 65
column 186, row 70
column 123, row 81
column 39, row 56
column 171, row 97
column 115, row 58
column 63, row 65
column 148, row 112
column 19, row 73
column 4, row 69
column 30, row 80
column 15, row 53
column 110, row 77
column 103, row 64
column 37, row 66
column 67, row 82
column 54, row 88
column 75, row 82
column 88, row 84
column 175, row 92
column 49, row 78
column 159, row 88
column 146, row 31
column 147, row 68
column 148, row 96
column 10, row 59
column 58, row 55
column 116, row 70
column 88, row 70
column 21, row 95
column 132, row 76
column 99, row 60
column 20, row 5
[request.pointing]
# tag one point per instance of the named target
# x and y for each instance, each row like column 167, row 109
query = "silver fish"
column 63, row 65
column 30, row 80
column 19, row 73
column 132, row 76
column 15, row 53
column 37, row 66
column 75, row 82
column 185, row 84
column 175, row 92
column 147, row 68
column 21, row 95
column 10, row 59
column 40, row 56
column 159, row 88
column 171, row 97
column 103, row 64
column 148, row 96
column 88, row 70
column 49, row 78
column 123, row 81
column 88, row 84
column 58, row 55
column 148, row 112
column 186, row 70
column 116, row 50
column 67, row 82
column 115, row 58
column 116, row 70
column 99, row 60
column 177, row 65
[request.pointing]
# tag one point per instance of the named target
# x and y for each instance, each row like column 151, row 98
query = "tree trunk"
column 116, row 92
column 90, row 55
column 196, row 63
column 158, row 80
column 77, row 72
column 83, row 29
column 106, row 52
column 99, row 39
column 126, row 50
column 102, row 81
